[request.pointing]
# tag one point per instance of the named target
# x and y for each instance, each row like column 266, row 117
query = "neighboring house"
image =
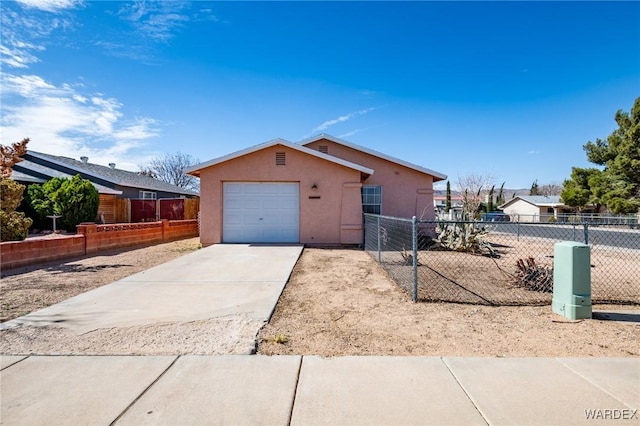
column 440, row 205
column 110, row 182
column 313, row 192
column 534, row 208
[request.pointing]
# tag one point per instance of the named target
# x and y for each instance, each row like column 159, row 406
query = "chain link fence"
column 500, row 263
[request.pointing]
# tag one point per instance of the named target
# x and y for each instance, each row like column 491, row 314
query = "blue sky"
column 511, row 89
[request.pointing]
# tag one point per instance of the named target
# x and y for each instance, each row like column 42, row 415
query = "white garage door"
column 261, row 212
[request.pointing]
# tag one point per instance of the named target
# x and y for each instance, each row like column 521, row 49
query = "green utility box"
column 572, row 280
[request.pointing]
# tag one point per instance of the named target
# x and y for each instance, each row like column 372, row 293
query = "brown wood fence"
column 191, row 208
column 118, row 210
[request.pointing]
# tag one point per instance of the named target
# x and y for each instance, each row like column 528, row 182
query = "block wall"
column 92, row 238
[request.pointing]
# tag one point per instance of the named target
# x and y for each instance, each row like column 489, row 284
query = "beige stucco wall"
column 334, row 218
column 523, row 211
column 405, row 192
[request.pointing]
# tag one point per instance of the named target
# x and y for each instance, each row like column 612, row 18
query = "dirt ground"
column 340, row 302
column 337, row 302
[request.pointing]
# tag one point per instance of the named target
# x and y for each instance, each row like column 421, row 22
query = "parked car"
column 495, row 217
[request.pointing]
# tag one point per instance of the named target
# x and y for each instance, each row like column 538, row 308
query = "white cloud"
column 24, row 35
column 51, row 5
column 24, row 85
column 15, row 57
column 61, row 121
column 155, row 20
column 341, row 119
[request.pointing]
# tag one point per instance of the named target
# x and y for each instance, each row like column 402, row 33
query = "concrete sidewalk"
column 283, row 390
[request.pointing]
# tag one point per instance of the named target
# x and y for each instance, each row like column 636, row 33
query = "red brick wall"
column 108, row 237
column 179, row 229
column 14, row 254
column 94, row 238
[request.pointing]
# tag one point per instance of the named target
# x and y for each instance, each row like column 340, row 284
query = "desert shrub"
column 574, row 219
column 14, row 226
column 552, row 219
column 10, row 194
column 75, row 199
column 465, row 237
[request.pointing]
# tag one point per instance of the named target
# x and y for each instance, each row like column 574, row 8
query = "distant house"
column 312, row 192
column 111, row 183
column 534, row 208
column 440, row 205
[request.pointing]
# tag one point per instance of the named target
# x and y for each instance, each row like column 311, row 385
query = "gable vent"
column 281, row 158
column 323, row 149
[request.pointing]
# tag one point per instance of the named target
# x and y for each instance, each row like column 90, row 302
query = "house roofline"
column 517, row 197
column 23, row 166
column 47, row 157
column 438, row 175
column 194, row 170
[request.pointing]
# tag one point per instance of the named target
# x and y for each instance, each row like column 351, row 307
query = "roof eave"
column 177, row 190
column 436, row 175
column 195, row 170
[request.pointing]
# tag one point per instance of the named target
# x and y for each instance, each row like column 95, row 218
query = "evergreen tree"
column 617, row 185
column 490, row 206
column 447, row 206
column 500, row 199
column 535, row 190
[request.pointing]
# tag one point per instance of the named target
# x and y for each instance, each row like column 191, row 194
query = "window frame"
column 143, row 195
column 369, row 205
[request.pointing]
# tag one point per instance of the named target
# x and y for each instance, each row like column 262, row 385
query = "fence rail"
column 594, row 219
column 499, row 263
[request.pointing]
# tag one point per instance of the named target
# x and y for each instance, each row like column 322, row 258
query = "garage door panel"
column 252, row 203
column 261, row 212
column 253, row 219
column 233, row 189
column 233, row 219
column 288, row 203
column 271, row 188
column 271, row 204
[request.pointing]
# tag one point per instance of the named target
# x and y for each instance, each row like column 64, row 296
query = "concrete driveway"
column 220, row 282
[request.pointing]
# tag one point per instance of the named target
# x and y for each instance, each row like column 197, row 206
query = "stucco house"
column 534, row 208
column 312, row 192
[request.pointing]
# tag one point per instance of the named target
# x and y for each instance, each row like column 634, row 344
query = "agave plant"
column 464, row 237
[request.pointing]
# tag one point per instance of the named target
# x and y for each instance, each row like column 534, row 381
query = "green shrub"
column 75, row 199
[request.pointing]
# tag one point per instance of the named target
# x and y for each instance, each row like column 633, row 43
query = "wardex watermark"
column 611, row 414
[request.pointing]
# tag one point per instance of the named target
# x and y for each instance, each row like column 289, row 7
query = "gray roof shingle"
column 112, row 175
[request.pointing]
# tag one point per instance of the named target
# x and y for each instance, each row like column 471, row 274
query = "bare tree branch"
column 170, row 168
column 473, row 187
column 551, row 189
